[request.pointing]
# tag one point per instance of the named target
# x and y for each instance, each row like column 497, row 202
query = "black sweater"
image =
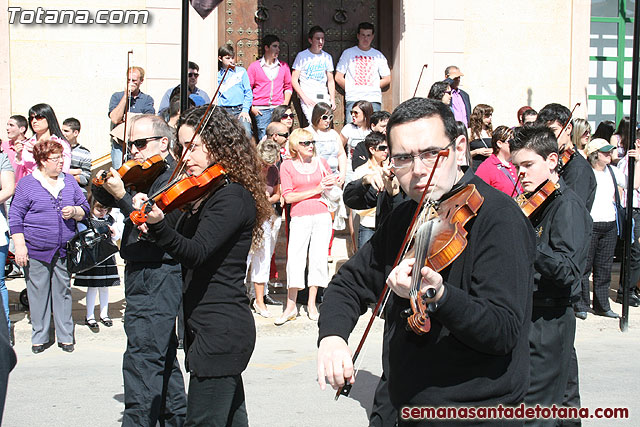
column 578, row 175
column 134, row 247
column 477, row 351
column 563, row 232
column 212, row 245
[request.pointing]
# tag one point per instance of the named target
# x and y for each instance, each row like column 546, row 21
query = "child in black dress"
column 99, row 278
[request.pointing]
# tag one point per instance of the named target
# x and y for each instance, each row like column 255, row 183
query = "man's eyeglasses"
column 142, row 142
column 284, row 135
column 327, row 117
column 382, row 148
column 306, row 143
column 428, row 158
column 288, row 116
column 193, row 74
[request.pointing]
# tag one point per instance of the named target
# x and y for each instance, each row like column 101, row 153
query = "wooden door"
column 244, row 22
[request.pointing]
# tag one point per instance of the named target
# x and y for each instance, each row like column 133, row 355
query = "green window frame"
column 620, row 59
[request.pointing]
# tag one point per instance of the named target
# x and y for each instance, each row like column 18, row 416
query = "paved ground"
column 85, row 387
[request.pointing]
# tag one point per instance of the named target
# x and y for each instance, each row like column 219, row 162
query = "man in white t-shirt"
column 363, row 71
column 312, row 76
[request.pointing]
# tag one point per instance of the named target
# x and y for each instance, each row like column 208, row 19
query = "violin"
column 436, row 237
column 135, row 175
column 439, row 241
column 531, row 202
column 567, row 154
column 182, row 192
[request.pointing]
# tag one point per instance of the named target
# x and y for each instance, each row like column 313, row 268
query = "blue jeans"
column 4, row 250
column 262, row 121
column 235, row 112
column 364, row 234
column 116, row 155
column 348, row 105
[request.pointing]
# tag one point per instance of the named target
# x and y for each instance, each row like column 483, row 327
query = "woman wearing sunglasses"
column 283, row 114
column 44, row 125
column 303, row 179
column 355, row 132
column 328, row 143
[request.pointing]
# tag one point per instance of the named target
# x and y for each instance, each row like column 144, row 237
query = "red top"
column 499, row 176
column 293, row 181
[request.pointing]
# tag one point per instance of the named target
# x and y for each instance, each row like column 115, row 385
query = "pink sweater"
column 28, row 163
column 293, row 181
column 265, row 91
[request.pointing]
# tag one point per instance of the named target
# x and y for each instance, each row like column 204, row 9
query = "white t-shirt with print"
column 363, row 70
column 313, row 73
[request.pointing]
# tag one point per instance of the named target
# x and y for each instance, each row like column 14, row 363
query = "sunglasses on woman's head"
column 288, row 116
column 306, row 143
column 327, row 117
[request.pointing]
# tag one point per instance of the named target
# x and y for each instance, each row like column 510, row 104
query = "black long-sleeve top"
column 578, row 175
column 134, row 247
column 563, row 232
column 212, row 245
column 357, row 195
column 477, row 350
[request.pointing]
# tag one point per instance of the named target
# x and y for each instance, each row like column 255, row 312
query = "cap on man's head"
column 598, row 144
column 454, row 73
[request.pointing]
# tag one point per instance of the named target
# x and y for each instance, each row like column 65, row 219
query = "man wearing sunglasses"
column 476, row 353
column 192, row 80
column 153, row 384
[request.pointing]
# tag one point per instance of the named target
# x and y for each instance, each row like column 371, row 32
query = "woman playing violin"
column 476, row 352
column 212, row 243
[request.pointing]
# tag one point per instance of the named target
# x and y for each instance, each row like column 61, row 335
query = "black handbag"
column 89, row 248
column 621, row 212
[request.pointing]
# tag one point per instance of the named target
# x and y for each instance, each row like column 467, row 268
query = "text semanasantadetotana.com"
column 508, row 412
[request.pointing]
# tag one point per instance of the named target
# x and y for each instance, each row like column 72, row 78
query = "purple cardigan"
column 36, row 213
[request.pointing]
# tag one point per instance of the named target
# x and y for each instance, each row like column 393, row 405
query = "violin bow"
column 419, row 78
column 569, row 119
column 515, row 187
column 125, row 148
column 346, row 388
column 203, row 122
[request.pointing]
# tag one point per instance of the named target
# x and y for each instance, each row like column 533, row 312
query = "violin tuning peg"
column 429, row 293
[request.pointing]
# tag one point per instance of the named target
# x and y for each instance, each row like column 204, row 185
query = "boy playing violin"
column 563, row 230
column 476, row 353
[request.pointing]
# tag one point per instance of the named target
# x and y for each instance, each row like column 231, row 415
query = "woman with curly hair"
column 480, row 133
column 497, row 170
column 212, row 242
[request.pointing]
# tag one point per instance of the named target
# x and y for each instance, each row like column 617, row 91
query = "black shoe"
column 270, row 301
column 92, row 324
column 634, row 301
column 67, row 347
column 581, row 315
column 106, row 322
column 35, row 349
column 609, row 313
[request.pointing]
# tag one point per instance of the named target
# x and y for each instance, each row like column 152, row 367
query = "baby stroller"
column 12, row 270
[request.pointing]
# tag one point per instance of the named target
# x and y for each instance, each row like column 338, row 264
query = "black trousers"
column 634, row 266
column 216, row 402
column 383, row 413
column 551, row 337
column 153, row 383
column 572, row 391
column 600, row 260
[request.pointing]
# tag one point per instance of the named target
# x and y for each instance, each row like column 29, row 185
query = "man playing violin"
column 153, row 383
column 578, row 175
column 476, row 353
column 563, row 228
